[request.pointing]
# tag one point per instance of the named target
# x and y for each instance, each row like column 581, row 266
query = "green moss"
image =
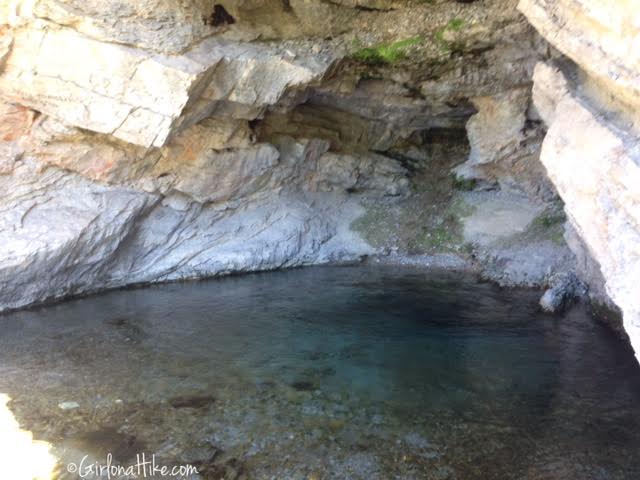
column 454, row 25
column 436, row 239
column 416, row 228
column 549, row 224
column 548, row 219
column 374, row 226
column 557, row 237
column 447, row 235
column 386, row 53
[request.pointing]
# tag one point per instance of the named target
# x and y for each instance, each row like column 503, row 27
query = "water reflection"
column 336, row 373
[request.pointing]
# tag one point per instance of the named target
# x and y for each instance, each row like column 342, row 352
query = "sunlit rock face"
column 590, row 104
column 138, row 96
column 504, row 137
column 601, row 37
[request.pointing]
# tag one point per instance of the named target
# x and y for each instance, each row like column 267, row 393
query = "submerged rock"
column 68, row 405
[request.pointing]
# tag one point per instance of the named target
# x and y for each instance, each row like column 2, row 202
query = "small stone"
column 564, row 287
column 377, row 419
column 552, row 300
column 68, row 405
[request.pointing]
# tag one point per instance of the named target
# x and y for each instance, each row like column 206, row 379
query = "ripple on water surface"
column 327, row 373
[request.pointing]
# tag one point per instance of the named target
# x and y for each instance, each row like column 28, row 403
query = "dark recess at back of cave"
column 219, row 17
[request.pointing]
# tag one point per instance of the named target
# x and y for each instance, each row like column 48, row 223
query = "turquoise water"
column 328, row 373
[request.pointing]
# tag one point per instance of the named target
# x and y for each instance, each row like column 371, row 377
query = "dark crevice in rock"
column 219, row 17
column 372, row 9
column 286, row 4
column 443, row 135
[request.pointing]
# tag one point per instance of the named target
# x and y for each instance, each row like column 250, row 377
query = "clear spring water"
column 327, row 373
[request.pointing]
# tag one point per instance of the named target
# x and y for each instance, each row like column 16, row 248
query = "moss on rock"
column 386, row 53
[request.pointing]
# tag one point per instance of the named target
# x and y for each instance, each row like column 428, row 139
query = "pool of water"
column 326, row 373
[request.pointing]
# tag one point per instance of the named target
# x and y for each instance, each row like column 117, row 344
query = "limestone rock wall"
column 601, row 37
column 143, row 141
column 589, row 99
column 138, row 96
